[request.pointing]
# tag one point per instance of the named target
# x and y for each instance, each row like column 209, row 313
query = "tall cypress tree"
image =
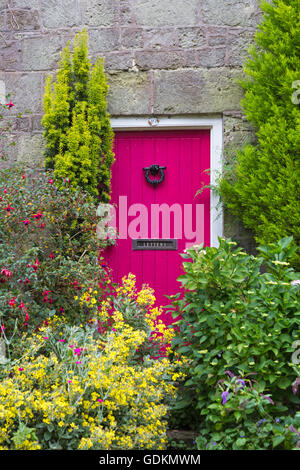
column 264, row 191
column 79, row 137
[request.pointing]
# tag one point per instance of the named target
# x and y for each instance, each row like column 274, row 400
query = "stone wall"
column 162, row 57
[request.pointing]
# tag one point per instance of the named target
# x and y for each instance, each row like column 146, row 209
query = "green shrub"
column 263, row 189
column 78, row 133
column 48, row 250
column 241, row 417
column 234, row 317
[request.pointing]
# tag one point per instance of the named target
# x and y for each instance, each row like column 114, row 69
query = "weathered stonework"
column 162, row 57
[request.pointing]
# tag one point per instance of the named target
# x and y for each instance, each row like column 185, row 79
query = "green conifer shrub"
column 263, row 189
column 79, row 137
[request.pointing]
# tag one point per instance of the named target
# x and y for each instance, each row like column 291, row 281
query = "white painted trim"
column 215, row 124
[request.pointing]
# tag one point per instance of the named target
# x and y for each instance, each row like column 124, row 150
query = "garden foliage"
column 263, row 189
column 236, row 318
column 78, row 133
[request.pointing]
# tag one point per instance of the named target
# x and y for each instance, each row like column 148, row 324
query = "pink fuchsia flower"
column 51, row 256
column 46, row 337
column 10, row 105
column 62, row 340
column 42, row 226
column 37, row 216
column 23, row 176
column 21, row 305
column 51, row 181
column 9, row 209
column 5, row 190
column 21, row 368
column 78, row 362
column 26, row 317
column 26, row 222
column 6, row 272
column 100, row 400
column 12, row 302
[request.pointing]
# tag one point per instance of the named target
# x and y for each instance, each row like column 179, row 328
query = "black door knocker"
column 154, row 170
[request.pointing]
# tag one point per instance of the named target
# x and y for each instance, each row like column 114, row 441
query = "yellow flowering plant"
column 76, row 389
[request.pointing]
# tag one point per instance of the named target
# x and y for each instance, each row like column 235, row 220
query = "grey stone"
column 41, row 53
column 132, row 38
column 166, row 13
column 10, row 55
column 213, row 57
column 147, row 60
column 239, row 44
column 29, row 4
column 31, row 149
column 60, row 13
column 22, row 20
column 160, row 38
column 118, row 61
column 231, row 13
column 237, row 132
column 100, row 12
column 103, row 39
column 196, row 91
column 126, row 13
column 26, row 90
column 191, row 37
column 129, row 93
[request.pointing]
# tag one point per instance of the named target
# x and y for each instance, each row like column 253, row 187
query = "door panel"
column 186, row 156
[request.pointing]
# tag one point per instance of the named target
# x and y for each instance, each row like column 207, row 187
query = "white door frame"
column 215, row 124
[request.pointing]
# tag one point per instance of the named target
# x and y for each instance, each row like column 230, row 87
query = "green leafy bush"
column 241, row 417
column 263, row 189
column 48, row 250
column 234, row 317
column 78, row 133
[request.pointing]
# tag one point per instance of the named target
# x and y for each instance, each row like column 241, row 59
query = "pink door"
column 158, row 215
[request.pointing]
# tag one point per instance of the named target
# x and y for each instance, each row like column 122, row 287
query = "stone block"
column 103, row 39
column 32, row 4
column 160, row 38
column 147, row 60
column 196, row 91
column 239, row 43
column 99, row 12
column 166, row 13
column 42, row 53
column 10, row 55
column 31, row 149
column 132, row 38
column 191, row 37
column 60, row 13
column 118, row 61
column 22, row 20
column 26, row 91
column 129, row 93
column 232, row 13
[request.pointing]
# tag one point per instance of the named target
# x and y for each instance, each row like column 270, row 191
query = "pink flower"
column 10, row 105
column 51, row 181
column 100, row 400
column 51, row 256
column 21, row 368
column 21, row 305
column 12, row 302
column 46, row 337
column 78, row 362
column 26, row 222
column 26, row 317
column 5, row 190
column 37, row 216
column 62, row 340
column 77, row 351
column 9, row 208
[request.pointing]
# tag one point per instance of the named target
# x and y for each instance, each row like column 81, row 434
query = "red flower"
column 9, row 208
column 10, row 105
column 5, row 190
column 51, row 181
column 12, row 302
column 26, row 317
column 26, row 221
column 51, row 255
column 42, row 226
column 21, row 305
column 23, row 176
column 37, row 216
